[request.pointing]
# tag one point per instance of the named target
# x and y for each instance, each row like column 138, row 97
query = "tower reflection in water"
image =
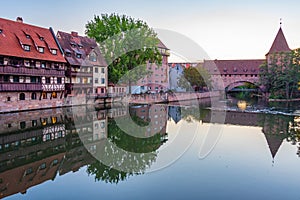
column 37, row 146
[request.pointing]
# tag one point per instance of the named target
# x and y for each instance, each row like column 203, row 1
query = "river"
column 209, row 149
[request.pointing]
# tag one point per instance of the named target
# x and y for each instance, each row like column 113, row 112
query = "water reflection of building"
column 31, row 148
column 175, row 113
column 274, row 127
column 154, row 115
column 39, row 145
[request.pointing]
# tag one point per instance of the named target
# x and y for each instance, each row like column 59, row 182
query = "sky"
column 228, row 29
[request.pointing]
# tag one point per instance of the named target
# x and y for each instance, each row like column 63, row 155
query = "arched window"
column 22, row 96
column 33, row 96
column 54, row 95
column 44, row 95
column 54, row 120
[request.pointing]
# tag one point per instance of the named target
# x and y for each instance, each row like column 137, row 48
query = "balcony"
column 70, row 86
column 78, row 74
column 20, row 87
column 31, row 71
column 53, row 87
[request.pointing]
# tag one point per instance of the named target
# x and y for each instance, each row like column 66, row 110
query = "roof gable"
column 74, row 44
column 279, row 44
column 16, row 34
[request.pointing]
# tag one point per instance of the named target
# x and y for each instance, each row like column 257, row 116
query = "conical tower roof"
column 280, row 44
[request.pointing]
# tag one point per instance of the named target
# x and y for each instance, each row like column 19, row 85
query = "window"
column 102, row 70
column 8, row 98
column 102, row 124
column 55, row 162
column 43, row 166
column 78, row 55
column 54, row 95
column 34, row 123
column 22, row 125
column 33, row 79
column 1, row 60
column 54, row 51
column 53, row 120
column 22, row 96
column 8, row 125
column 48, row 80
column 16, row 79
column 1, row 31
column 96, row 80
column 43, row 65
column 44, row 95
column 102, row 80
column 33, row 96
column 96, row 69
column 42, row 38
column 26, row 47
column 93, row 57
column 41, row 49
column 59, row 80
column 6, row 78
column 29, row 171
column 44, row 121
column 68, row 54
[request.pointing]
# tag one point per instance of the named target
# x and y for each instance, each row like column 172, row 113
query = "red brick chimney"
column 19, row 19
column 74, row 34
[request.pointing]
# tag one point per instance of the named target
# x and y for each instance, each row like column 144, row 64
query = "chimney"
column 19, row 19
column 74, row 34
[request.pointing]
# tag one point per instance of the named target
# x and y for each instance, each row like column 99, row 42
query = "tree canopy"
column 195, row 78
column 281, row 75
column 126, row 43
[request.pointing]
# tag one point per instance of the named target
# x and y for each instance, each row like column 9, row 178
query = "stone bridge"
column 228, row 74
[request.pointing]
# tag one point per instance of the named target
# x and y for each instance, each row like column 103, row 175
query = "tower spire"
column 280, row 22
column 279, row 44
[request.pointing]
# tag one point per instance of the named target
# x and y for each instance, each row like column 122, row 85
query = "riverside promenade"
column 170, row 97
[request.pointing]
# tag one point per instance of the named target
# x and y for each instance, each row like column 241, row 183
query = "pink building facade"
column 159, row 79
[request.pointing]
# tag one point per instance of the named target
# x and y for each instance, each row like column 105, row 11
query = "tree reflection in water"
column 123, row 155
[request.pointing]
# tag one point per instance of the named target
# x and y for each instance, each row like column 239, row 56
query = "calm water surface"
column 152, row 152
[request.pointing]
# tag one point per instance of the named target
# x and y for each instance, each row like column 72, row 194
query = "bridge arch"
column 235, row 84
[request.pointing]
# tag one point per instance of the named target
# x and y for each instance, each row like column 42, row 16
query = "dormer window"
column 93, row 57
column 73, row 45
column 80, row 46
column 78, row 55
column 54, row 51
column 67, row 52
column 1, row 31
column 26, row 47
column 27, row 36
column 42, row 38
column 41, row 49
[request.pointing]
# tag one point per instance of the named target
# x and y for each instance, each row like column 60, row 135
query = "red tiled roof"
column 66, row 40
column 280, row 44
column 233, row 66
column 14, row 34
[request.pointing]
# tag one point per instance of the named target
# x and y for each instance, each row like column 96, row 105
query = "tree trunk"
column 287, row 90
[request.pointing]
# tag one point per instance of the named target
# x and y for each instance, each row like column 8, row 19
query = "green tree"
column 281, row 75
column 195, row 78
column 125, row 43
